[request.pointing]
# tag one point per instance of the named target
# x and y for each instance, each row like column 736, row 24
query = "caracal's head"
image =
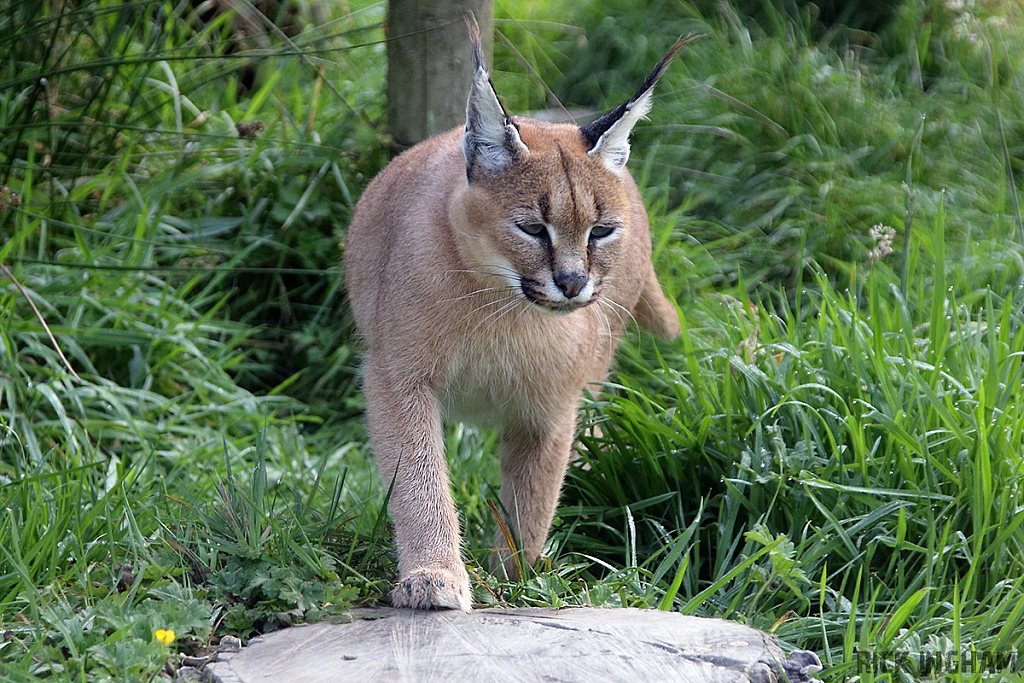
column 547, row 210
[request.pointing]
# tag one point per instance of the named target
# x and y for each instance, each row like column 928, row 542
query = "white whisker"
column 500, row 301
column 620, row 278
column 477, row 292
column 622, row 320
column 499, row 271
column 615, row 307
column 499, row 313
column 611, row 337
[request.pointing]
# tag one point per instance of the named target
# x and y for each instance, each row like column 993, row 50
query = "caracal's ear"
column 609, row 135
column 491, row 142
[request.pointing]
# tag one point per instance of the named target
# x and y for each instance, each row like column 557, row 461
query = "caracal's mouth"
column 564, row 307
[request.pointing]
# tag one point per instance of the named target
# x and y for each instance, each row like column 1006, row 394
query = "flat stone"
column 569, row 645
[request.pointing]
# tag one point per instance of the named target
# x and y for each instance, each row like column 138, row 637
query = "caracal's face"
column 551, row 226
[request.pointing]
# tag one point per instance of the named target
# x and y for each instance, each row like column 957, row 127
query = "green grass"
column 832, row 452
column 868, row 448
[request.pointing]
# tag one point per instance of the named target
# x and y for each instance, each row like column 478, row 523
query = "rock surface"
column 570, row 645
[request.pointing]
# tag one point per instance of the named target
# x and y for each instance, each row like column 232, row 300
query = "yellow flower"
column 165, row 636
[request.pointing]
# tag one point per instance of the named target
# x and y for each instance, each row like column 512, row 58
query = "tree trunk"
column 430, row 64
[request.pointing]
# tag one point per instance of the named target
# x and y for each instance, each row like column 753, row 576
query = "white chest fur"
column 524, row 364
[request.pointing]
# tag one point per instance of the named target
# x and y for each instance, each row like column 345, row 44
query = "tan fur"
column 432, row 264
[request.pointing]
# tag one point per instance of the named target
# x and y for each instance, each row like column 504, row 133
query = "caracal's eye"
column 533, row 229
column 600, row 231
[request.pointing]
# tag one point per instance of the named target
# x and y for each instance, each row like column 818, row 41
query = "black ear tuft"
column 491, row 142
column 609, row 135
column 593, row 131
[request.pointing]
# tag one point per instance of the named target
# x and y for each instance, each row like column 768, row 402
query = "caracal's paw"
column 433, row 588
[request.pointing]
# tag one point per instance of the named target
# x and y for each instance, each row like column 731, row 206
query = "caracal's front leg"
column 405, row 430
column 533, row 463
